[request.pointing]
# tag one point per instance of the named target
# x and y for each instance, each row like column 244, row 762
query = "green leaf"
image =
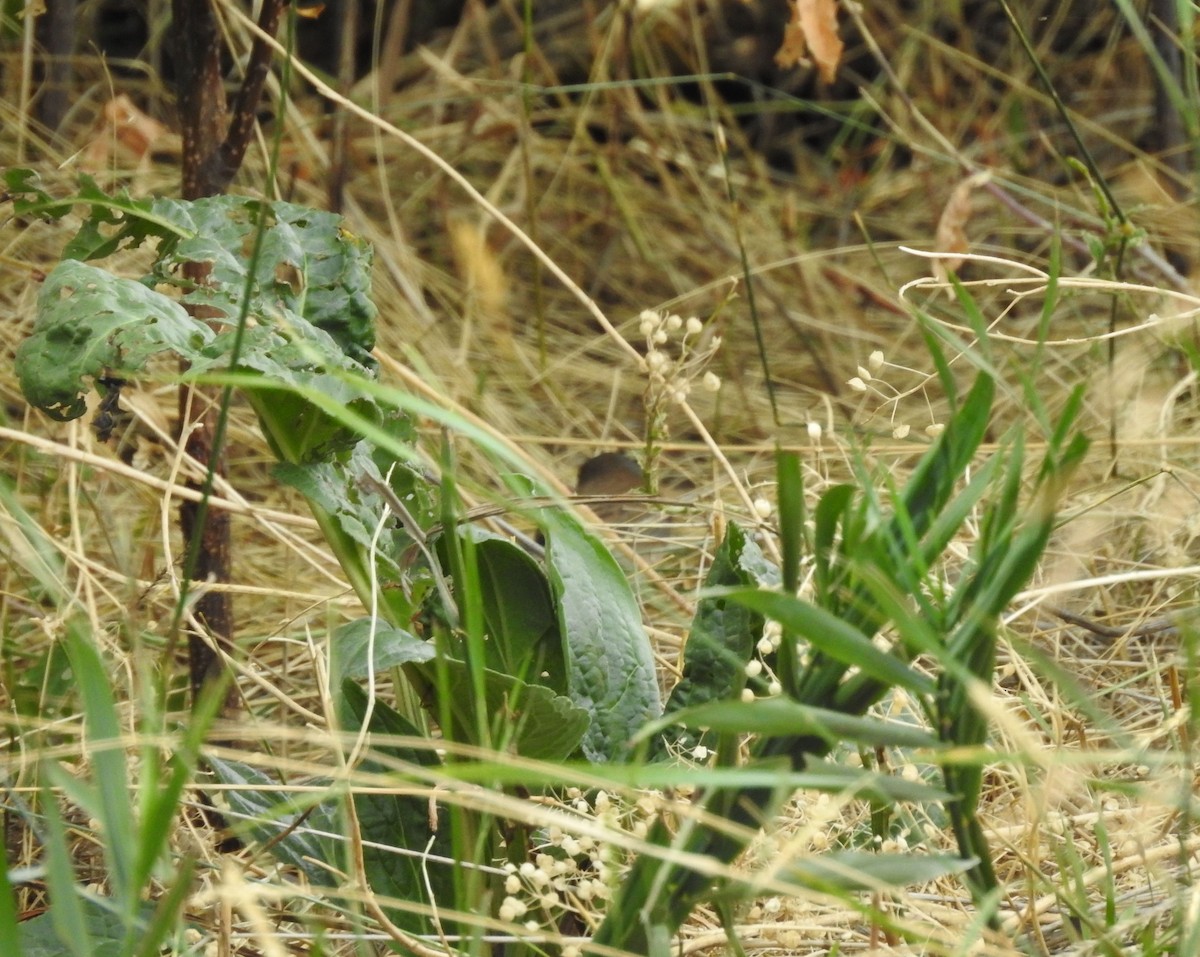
column 99, row 933
column 834, row 637
column 780, row 717
column 610, row 664
column 519, row 612
column 333, row 488
column 112, row 222
column 400, row 823
column 90, row 323
column 724, row 633
column 818, row 776
column 535, row 721
column 107, row 757
column 850, row 871
column 310, row 266
column 830, row 513
column 305, row 298
column 344, row 499
column 265, row 812
column 29, row 549
column 357, row 644
column 67, row 916
column 8, row 908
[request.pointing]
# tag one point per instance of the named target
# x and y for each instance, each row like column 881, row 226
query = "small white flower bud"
column 753, row 668
column 694, row 326
column 712, row 382
column 857, row 384
column 875, row 361
column 814, row 432
column 762, row 508
column 901, row 431
column 933, row 431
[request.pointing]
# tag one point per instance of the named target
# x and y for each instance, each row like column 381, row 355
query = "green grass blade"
column 832, row 636
column 103, row 728
column 8, row 903
column 66, row 912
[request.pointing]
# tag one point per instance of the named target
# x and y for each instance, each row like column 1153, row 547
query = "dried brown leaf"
column 951, row 236
column 123, row 124
column 813, row 26
column 791, row 51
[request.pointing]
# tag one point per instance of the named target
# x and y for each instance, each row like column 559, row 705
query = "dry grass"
column 627, row 193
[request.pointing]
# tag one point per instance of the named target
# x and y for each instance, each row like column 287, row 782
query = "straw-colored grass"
column 630, row 193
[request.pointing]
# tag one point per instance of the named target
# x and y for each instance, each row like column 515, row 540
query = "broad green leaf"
column 305, row 298
column 310, row 266
column 101, row 932
column 610, row 664
column 356, row 644
column 522, row 623
column 535, row 721
column 336, row 489
column 112, row 222
column 265, row 812
column 89, row 323
column 400, row 823
column 343, row 495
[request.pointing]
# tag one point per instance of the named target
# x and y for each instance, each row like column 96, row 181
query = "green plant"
column 548, row 659
column 121, row 922
column 879, row 568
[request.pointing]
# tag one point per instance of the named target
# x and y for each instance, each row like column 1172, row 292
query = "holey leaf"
column 89, row 323
column 299, row 279
column 309, row 267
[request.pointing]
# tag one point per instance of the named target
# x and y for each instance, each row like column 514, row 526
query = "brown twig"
column 1159, row 627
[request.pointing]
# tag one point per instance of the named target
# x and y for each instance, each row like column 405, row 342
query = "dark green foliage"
column 299, row 315
column 723, row 635
column 609, row 663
